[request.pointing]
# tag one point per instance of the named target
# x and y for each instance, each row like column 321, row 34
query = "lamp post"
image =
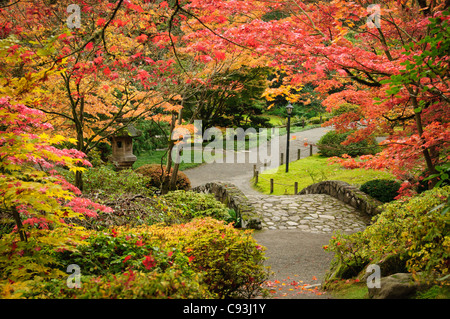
column 289, row 109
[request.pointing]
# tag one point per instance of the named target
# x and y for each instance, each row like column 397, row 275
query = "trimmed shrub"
column 315, row 120
column 192, row 205
column 154, row 172
column 384, row 190
column 214, row 258
column 412, row 235
column 111, row 252
column 330, row 145
column 231, row 260
column 170, row 284
column 124, row 264
column 346, row 108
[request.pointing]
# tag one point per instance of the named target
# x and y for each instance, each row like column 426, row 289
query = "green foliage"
column 331, row 145
column 412, row 235
column 22, row 263
column 152, row 137
column 192, row 205
column 346, row 108
column 170, row 284
column 382, row 189
column 201, row 259
column 126, row 191
column 315, row 120
column 435, row 292
column 230, row 259
column 155, row 177
column 275, row 15
column 105, row 179
column 443, row 175
column 230, row 98
column 126, row 265
column 109, row 252
column 116, row 182
column 234, row 218
column 155, row 157
column 128, row 209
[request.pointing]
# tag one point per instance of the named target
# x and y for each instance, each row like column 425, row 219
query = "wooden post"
column 310, row 149
column 271, row 185
column 298, row 154
column 256, row 177
column 254, row 170
column 295, row 188
column 281, row 159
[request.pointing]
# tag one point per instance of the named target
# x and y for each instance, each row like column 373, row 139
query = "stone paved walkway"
column 295, row 227
column 313, row 213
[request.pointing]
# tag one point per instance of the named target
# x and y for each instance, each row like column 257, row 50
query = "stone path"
column 313, row 213
column 295, row 227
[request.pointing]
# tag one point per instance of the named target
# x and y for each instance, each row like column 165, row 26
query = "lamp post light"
column 289, row 109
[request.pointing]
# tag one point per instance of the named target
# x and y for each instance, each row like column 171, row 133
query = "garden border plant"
column 410, row 235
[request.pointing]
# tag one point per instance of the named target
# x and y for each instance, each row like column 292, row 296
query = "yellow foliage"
column 289, row 92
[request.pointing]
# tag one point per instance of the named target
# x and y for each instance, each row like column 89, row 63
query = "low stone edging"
column 347, row 193
column 235, row 199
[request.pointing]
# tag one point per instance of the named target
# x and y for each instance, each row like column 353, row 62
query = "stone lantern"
column 122, row 147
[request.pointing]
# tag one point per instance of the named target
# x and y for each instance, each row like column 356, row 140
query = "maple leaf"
column 101, row 22
column 142, row 38
column 89, row 46
column 219, row 55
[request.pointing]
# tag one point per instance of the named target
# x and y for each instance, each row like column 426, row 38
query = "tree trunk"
column 166, row 174
column 426, row 151
column 80, row 143
column 20, row 230
column 173, row 178
column 79, row 181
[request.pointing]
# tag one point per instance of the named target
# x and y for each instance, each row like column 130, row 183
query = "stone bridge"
column 320, row 208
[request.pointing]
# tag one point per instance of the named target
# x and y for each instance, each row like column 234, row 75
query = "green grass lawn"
column 275, row 120
column 313, row 169
column 349, row 290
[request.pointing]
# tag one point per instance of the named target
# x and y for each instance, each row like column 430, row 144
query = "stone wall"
column 233, row 198
column 347, row 193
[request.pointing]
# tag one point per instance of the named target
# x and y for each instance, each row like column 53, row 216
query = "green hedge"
column 384, row 190
column 330, row 145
